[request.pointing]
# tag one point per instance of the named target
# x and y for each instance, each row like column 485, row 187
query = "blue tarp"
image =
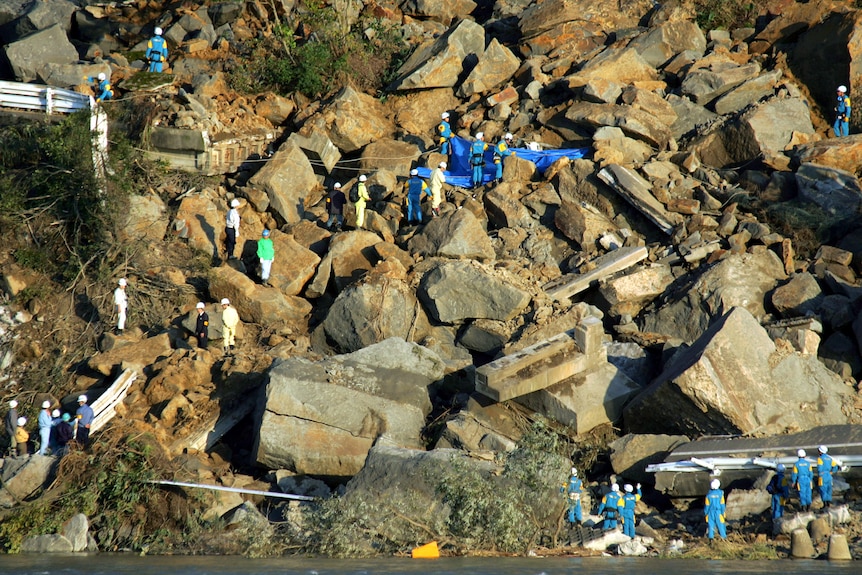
column 460, row 172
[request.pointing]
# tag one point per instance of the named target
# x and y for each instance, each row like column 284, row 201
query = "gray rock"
column 38, row 16
column 443, row 11
column 53, row 543
column 76, row 531
column 738, row 280
column 334, row 411
column 458, row 291
column 634, row 122
column 247, row 518
column 631, row 454
column 29, row 56
column 459, row 235
column 224, row 13
column 727, row 382
column 504, row 208
column 661, row 43
column 747, row 93
column 689, row 116
column 288, row 179
column 633, row 360
column 496, row 65
column 704, row 85
column 439, row 64
column 23, row 476
column 836, row 191
column 744, row 502
column 801, row 295
column 145, row 219
column 767, row 129
column 352, row 120
column 370, row 312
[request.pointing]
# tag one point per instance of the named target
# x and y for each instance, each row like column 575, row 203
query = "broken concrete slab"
column 605, row 266
column 318, row 147
column 637, row 191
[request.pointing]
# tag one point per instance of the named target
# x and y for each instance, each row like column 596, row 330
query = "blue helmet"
column 780, row 468
column 266, row 233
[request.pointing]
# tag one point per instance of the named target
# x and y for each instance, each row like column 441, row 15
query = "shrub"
column 727, row 14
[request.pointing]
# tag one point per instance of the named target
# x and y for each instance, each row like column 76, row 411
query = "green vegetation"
column 318, row 54
column 727, row 14
column 470, row 510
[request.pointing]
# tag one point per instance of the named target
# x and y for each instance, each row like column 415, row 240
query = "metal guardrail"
column 716, row 465
column 38, row 97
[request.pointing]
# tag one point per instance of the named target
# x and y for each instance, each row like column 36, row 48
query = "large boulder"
column 352, row 120
column 440, row 63
column 29, row 56
column 631, row 454
column 495, row 66
column 454, row 292
column 837, row 191
column 322, row 418
column 625, row 66
column 661, row 43
column 841, row 153
column 23, row 476
column 351, row 256
column 605, row 14
column 706, row 84
column 257, row 304
column 140, row 353
column 458, row 235
column 634, row 122
column 288, row 179
column 199, row 221
column 748, row 92
column 145, row 219
column 443, row 11
column 735, row 380
column 295, row 264
column 767, row 129
column 386, row 154
column 738, row 280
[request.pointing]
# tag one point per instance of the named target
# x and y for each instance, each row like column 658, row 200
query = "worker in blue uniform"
column 779, row 488
column 841, row 127
column 501, row 150
column 826, row 466
column 627, row 509
column 572, row 489
column 714, row 510
column 157, row 51
column 801, row 478
column 477, row 158
column 444, row 131
column 610, row 508
column 103, row 87
column 416, row 187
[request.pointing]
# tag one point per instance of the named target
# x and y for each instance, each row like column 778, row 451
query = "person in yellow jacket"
column 438, row 178
column 359, row 203
column 229, row 320
column 22, row 436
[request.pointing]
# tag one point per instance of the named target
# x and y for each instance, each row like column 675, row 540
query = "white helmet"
column 55, row 413
column 628, row 488
column 234, row 203
column 615, row 487
column 46, row 404
column 13, row 404
column 225, row 301
column 842, row 89
column 158, row 31
column 122, row 282
column 800, row 453
column 444, row 115
column 101, row 76
column 508, row 136
column 362, row 178
column 443, row 165
column 715, row 484
column 201, row 305
column 82, row 399
column 480, row 135
column 574, row 472
column 823, row 449
column 22, row 421
column 414, row 172
column 337, row 185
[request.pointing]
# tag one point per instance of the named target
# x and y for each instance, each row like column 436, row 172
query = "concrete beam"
column 637, row 191
column 572, row 284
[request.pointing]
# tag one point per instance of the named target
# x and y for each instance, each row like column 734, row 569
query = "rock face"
column 30, row 56
column 458, row 291
column 735, row 380
column 22, row 477
column 738, row 280
column 496, row 65
column 288, row 179
column 322, row 418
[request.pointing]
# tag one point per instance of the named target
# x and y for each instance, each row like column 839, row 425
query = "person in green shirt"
column 266, row 253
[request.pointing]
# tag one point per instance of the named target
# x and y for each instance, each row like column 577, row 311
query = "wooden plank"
column 572, row 284
column 636, row 191
column 104, row 408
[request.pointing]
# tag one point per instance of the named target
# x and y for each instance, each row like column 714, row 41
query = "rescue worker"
column 335, row 206
column 627, row 508
column 841, row 127
column 266, row 254
column 157, row 51
column 826, row 466
column 714, row 510
column 779, row 488
column 64, row 433
column 103, row 87
column 21, row 437
column 231, row 228
column 11, row 424
column 121, row 304
column 229, row 320
column 438, row 178
column 46, row 422
column 501, row 150
column 85, row 416
column 572, row 489
column 361, row 198
column 477, row 158
column 416, row 188
column 610, row 507
column 801, row 478
column 202, row 325
column 445, row 133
